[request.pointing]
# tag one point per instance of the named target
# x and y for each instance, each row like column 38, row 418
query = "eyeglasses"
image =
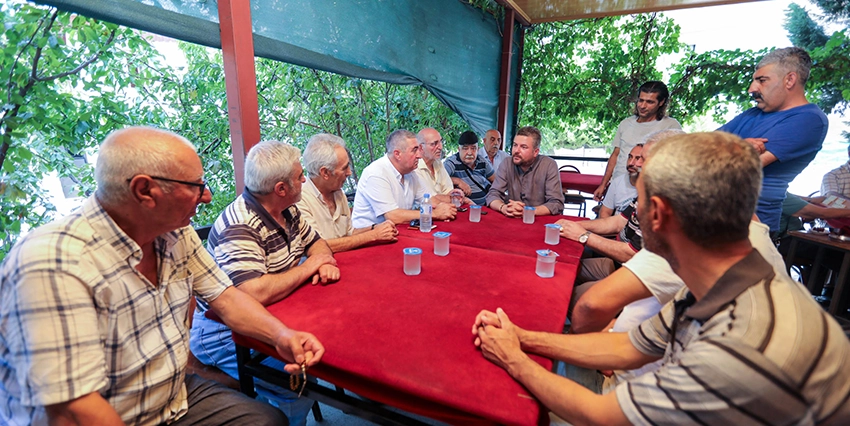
column 202, row 186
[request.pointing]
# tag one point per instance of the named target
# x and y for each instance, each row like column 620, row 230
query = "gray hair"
column 790, row 59
column 321, row 152
column 133, row 151
column 268, row 163
column 712, row 182
column 651, row 139
column 397, row 138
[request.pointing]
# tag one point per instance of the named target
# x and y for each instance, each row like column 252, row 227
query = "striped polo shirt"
column 477, row 178
column 756, row 349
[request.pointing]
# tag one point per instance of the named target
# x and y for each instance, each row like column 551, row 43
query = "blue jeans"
column 212, row 344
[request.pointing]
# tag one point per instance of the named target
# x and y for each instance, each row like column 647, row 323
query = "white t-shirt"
column 655, row 273
column 631, row 133
column 381, row 189
column 440, row 183
column 620, row 193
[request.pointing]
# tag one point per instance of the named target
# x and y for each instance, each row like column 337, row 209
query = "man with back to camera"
column 649, row 117
column 324, row 206
column 107, row 290
column 740, row 344
column 389, row 190
column 530, row 179
column 784, row 127
column 259, row 240
column 468, row 170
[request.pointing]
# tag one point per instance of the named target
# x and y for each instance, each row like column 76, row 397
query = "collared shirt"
column 756, row 349
column 247, row 243
column 381, row 189
column 438, row 183
column 837, row 180
column 477, row 178
column 497, row 159
column 314, row 211
column 77, row 317
column 539, row 186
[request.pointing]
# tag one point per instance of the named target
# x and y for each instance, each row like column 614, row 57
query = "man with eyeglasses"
column 94, row 307
column 430, row 170
column 259, row 240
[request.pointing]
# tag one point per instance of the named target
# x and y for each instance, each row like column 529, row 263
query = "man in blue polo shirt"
column 468, row 171
column 784, row 127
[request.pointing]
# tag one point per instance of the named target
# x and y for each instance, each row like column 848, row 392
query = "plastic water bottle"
column 425, row 214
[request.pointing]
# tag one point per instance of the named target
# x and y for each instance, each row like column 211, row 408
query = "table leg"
column 837, row 305
column 246, row 380
column 789, row 257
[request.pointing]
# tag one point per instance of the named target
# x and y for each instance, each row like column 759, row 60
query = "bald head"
column 492, row 141
column 140, row 150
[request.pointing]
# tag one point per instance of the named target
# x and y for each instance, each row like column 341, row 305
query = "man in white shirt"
column 389, row 190
column 650, row 116
column 622, row 189
column 430, row 171
column 493, row 152
column 324, row 206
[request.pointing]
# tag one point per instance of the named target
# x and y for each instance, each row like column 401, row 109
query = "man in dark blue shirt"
column 784, row 127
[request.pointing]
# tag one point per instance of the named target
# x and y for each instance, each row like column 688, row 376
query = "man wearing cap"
column 529, row 180
column 469, row 171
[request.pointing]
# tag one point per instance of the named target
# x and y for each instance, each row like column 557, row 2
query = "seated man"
column 622, row 189
column 389, row 190
column 324, row 206
column 837, row 180
column 430, row 171
column 258, row 240
column 468, row 171
column 492, row 152
column 107, row 291
column 740, row 343
column 530, row 179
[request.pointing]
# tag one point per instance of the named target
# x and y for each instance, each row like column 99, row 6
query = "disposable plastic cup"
column 553, row 234
column 528, row 214
column 457, row 199
column 412, row 261
column 441, row 243
column 475, row 213
column 545, row 263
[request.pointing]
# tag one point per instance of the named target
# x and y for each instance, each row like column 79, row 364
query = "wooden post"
column 505, row 75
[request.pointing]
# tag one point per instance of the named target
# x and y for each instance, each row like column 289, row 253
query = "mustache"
column 756, row 96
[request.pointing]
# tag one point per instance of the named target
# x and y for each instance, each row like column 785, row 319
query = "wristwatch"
column 583, row 237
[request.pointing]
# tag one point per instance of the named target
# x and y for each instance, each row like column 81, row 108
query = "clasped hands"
column 512, row 208
column 498, row 338
column 324, row 266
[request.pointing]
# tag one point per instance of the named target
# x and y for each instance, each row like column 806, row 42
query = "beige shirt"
column 314, row 210
column 439, row 182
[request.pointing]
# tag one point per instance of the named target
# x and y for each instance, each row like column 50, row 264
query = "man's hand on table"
column 498, row 340
column 327, row 273
column 513, row 208
column 444, row 211
column 385, row 231
column 571, row 230
column 298, row 346
column 323, row 268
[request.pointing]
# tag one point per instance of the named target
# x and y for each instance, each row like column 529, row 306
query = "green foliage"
column 803, row 31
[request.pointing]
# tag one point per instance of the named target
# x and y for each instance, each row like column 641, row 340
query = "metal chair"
column 574, row 199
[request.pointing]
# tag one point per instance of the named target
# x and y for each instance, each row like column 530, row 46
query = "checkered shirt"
column 76, row 317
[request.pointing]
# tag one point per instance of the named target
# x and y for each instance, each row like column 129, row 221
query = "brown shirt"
column 539, row 186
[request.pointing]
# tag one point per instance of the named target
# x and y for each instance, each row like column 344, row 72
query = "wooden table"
column 837, row 306
column 406, row 341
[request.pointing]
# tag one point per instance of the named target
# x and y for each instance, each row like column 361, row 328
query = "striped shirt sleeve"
column 239, row 253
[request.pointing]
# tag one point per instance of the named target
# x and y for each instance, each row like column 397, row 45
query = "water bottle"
column 425, row 214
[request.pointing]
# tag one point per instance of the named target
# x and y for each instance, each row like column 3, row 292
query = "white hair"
column 321, row 152
column 268, row 163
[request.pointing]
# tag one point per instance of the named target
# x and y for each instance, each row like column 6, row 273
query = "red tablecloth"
column 580, row 181
column 406, row 341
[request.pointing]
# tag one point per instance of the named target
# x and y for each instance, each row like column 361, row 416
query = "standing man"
column 430, row 171
column 622, row 190
column 493, row 152
column 837, row 180
column 259, row 240
column 94, row 306
column 324, row 206
column 740, row 344
column 389, row 190
column 650, row 116
column 530, row 179
column 784, row 127
column 469, row 171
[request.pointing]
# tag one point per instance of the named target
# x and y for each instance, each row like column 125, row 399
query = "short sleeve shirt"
column 631, row 232
column 620, row 194
column 438, row 183
column 381, row 189
column 477, row 178
column 77, row 317
column 630, row 133
column 315, row 212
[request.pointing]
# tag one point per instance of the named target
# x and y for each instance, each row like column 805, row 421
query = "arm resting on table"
column 617, row 250
column 596, row 351
column 601, row 303
column 86, row 410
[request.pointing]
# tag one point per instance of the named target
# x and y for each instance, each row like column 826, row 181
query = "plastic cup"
column 441, row 243
column 545, row 263
column 457, row 199
column 528, row 214
column 475, row 213
column 412, row 261
column 553, row 234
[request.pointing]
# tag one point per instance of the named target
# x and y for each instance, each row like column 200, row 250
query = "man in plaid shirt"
column 94, row 308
